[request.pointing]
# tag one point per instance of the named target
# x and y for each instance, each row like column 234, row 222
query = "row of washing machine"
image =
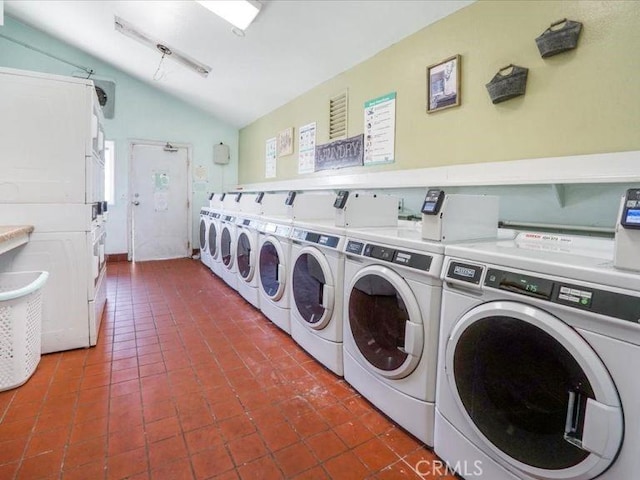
column 513, row 357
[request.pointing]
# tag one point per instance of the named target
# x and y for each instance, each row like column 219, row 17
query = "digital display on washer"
column 354, row 247
column 518, row 283
column 381, row 253
column 413, row 260
column 631, row 211
column 465, row 272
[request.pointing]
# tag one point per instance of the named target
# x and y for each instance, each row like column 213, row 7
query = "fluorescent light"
column 239, row 13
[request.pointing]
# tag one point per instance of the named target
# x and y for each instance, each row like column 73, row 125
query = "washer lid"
column 385, row 322
column 313, row 288
column 534, row 391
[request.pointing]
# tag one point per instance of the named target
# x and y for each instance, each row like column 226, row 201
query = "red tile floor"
column 189, row 381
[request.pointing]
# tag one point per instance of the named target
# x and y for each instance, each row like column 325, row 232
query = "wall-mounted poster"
column 340, row 154
column 306, row 148
column 285, row 142
column 380, row 129
column 271, row 153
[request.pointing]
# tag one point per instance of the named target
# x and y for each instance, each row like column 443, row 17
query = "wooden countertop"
column 12, row 236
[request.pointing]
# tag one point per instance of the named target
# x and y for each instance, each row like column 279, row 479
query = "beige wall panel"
column 583, row 101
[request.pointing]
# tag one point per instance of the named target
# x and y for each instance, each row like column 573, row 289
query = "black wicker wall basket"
column 509, row 82
column 555, row 41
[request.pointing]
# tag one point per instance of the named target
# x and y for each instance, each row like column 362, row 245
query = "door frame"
column 132, row 144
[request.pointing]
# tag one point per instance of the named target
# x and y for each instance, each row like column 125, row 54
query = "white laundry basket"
column 20, row 326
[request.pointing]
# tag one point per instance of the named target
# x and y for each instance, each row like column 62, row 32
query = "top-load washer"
column 538, row 341
column 317, row 273
column 231, row 207
column 247, row 239
column 392, row 305
column 275, row 247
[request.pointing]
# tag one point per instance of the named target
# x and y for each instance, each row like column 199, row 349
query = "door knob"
column 136, row 202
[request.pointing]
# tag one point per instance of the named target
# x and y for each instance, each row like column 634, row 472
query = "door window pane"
column 203, row 234
column 514, row 380
column 225, row 246
column 377, row 316
column 244, row 255
column 213, row 236
column 269, row 262
column 308, row 285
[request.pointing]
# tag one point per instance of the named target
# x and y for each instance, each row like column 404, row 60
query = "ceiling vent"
column 106, row 91
column 338, row 107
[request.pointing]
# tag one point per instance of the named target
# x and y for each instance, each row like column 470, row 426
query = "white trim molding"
column 617, row 167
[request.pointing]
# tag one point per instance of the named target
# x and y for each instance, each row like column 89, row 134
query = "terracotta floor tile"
column 375, row 454
column 211, row 462
column 345, row 467
column 268, row 415
column 81, row 432
column 12, row 450
column 309, row 424
column 166, row 451
column 316, row 473
column 45, row 441
column 264, row 468
column 279, row 435
column 235, row 427
column 40, row 466
column 377, row 422
column 400, row 441
column 326, row 445
column 88, row 452
column 246, row 449
column 125, row 440
column 21, row 411
column 402, row 471
column 94, row 471
column 179, row 470
column 335, row 414
column 295, row 459
column 203, row 438
column 127, row 464
column 9, row 470
column 353, row 433
column 227, row 409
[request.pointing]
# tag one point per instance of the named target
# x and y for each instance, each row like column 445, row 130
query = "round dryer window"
column 243, row 256
column 225, row 247
column 203, row 235
column 533, row 388
column 312, row 288
column 272, row 273
column 385, row 321
column 213, row 239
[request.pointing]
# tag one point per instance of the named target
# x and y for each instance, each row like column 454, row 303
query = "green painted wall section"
column 583, row 101
column 141, row 113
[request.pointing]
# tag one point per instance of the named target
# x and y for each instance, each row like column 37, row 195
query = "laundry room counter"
column 12, row 236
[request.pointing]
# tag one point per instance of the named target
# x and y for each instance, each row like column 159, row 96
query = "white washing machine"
column 539, row 345
column 316, row 279
column 247, row 241
column 228, row 237
column 205, row 221
column 392, row 292
column 213, row 235
column 275, row 247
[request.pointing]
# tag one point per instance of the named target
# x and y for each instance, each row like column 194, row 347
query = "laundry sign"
column 340, row 154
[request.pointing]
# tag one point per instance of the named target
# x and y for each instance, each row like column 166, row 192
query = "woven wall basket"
column 509, row 82
column 557, row 40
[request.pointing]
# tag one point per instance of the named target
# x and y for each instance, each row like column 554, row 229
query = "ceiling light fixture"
column 239, row 13
column 131, row 31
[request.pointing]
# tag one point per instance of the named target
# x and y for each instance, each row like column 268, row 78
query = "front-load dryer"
column 213, row 243
column 538, row 343
column 203, row 231
column 228, row 249
column 316, row 278
column 392, row 292
column 247, row 248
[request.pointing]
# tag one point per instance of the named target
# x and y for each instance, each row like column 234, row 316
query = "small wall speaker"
column 221, row 154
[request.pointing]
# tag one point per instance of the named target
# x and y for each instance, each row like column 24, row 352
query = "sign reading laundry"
column 340, row 154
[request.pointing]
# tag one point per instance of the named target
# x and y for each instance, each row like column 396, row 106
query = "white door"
column 159, row 202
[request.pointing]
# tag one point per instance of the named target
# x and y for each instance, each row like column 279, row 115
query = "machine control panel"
column 203, row 212
column 465, row 272
column 341, row 199
column 631, row 211
column 214, row 215
column 433, row 202
column 290, row 198
column 417, row 261
column 603, row 302
column 317, row 238
column 229, row 218
column 275, row 229
column 259, row 197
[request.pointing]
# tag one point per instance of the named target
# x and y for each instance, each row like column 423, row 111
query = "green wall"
column 583, row 101
column 141, row 112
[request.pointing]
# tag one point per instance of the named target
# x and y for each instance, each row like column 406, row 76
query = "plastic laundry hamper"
column 20, row 326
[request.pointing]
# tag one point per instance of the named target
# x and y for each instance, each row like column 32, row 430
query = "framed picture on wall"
column 443, row 84
column 285, row 142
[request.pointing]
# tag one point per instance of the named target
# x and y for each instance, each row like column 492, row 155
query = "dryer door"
column 203, row 234
column 313, row 288
column 213, row 239
column 226, row 246
column 272, row 269
column 534, row 391
column 385, row 321
column 246, row 255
